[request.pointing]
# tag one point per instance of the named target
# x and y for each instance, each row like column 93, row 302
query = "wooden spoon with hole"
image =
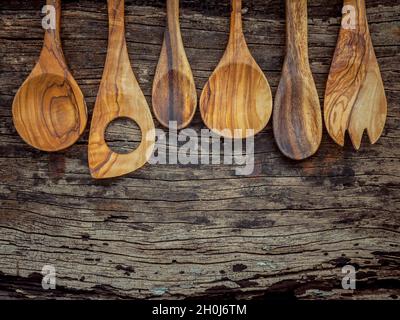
column 174, row 91
column 236, row 101
column 119, row 97
column 355, row 98
column 297, row 111
column 49, row 110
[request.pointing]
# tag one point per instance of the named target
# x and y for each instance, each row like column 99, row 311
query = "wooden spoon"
column 174, row 91
column 297, row 113
column 119, row 97
column 355, row 98
column 49, row 109
column 237, row 97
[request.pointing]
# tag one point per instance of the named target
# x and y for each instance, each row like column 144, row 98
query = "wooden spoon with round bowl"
column 49, row 110
column 297, row 110
column 236, row 101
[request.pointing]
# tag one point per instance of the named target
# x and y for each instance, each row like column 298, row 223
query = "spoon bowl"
column 297, row 110
column 245, row 94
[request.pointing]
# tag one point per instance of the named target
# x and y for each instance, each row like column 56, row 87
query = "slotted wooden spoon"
column 174, row 91
column 49, row 110
column 297, row 111
column 355, row 98
column 236, row 101
column 119, row 97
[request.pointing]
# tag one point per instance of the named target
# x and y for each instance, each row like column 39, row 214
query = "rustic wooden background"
column 197, row 231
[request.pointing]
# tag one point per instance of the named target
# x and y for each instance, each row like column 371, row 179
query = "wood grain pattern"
column 237, row 97
column 297, row 111
column 355, row 98
column 49, row 110
column 174, row 90
column 119, row 96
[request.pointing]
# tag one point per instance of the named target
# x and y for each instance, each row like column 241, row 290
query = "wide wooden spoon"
column 49, row 109
column 119, row 97
column 236, row 101
column 297, row 111
column 355, row 98
column 174, row 91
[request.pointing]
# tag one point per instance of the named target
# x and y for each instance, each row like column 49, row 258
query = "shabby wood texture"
column 174, row 91
column 237, row 97
column 297, row 110
column 192, row 231
column 355, row 99
column 49, row 109
column 119, row 97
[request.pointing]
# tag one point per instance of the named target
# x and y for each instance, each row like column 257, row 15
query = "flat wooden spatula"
column 174, row 91
column 236, row 101
column 119, row 97
column 355, row 98
column 297, row 111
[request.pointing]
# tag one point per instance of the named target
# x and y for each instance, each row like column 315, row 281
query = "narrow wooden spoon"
column 355, row 98
column 237, row 97
column 119, row 97
column 174, row 91
column 49, row 109
column 297, row 111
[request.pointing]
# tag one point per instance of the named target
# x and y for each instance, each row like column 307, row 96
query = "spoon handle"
column 116, row 19
column 52, row 35
column 297, row 31
column 236, row 29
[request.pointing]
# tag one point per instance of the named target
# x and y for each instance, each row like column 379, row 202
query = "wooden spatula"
column 355, row 98
column 297, row 111
column 49, row 110
column 119, row 97
column 174, row 91
column 237, row 98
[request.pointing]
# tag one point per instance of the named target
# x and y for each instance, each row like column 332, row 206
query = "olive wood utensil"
column 355, row 98
column 237, row 97
column 297, row 112
column 119, row 97
column 49, row 110
column 174, row 91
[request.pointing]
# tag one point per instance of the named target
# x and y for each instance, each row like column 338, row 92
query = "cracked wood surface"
column 197, row 231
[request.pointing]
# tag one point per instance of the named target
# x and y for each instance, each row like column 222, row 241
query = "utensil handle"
column 356, row 3
column 52, row 35
column 354, row 15
column 297, row 29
